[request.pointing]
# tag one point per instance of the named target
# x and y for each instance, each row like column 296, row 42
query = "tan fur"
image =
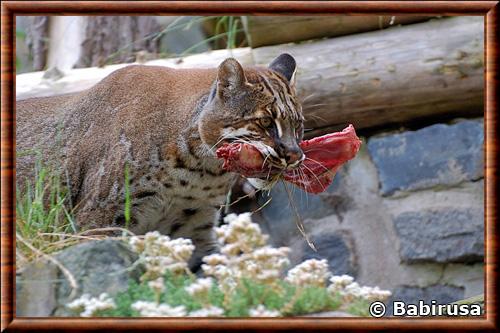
column 164, row 124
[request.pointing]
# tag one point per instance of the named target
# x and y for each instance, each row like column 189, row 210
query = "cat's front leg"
column 198, row 225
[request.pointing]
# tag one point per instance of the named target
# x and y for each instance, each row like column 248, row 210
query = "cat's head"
column 257, row 106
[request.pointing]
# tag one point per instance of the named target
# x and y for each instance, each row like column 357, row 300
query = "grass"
column 43, row 213
column 45, row 221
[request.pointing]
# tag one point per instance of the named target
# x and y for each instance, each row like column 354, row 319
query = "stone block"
column 337, row 248
column 437, row 155
column 279, row 213
column 441, row 235
column 442, row 294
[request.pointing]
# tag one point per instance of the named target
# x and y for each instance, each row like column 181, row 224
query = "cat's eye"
column 266, row 122
column 298, row 131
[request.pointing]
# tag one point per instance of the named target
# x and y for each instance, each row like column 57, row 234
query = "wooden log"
column 394, row 76
column 273, row 30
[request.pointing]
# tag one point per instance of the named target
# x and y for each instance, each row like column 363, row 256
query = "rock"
column 98, row 266
column 442, row 294
column 337, row 248
column 441, row 235
column 436, row 155
column 280, row 216
column 35, row 294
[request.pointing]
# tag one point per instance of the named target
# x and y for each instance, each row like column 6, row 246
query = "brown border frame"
column 11, row 8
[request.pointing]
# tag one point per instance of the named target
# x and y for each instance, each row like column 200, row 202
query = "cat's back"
column 154, row 82
column 140, row 101
column 139, row 94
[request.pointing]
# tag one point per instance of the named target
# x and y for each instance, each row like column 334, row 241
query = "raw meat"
column 324, row 155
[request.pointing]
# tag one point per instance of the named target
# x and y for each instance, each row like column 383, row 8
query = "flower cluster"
column 209, row 311
column 261, row 311
column 311, row 272
column 199, row 288
column 88, row 306
column 240, row 235
column 153, row 309
column 245, row 260
column 244, row 254
column 158, row 285
column 350, row 290
column 161, row 254
column 264, row 264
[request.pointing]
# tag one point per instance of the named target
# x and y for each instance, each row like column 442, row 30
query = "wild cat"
column 163, row 126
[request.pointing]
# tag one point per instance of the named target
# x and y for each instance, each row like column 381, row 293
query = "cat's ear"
column 285, row 65
column 230, row 77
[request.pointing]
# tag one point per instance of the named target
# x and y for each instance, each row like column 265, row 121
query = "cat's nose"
column 293, row 156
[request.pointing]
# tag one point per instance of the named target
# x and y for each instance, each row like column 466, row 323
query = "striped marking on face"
column 232, row 132
column 265, row 149
column 284, row 106
column 278, row 127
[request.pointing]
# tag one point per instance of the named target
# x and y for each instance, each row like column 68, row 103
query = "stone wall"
column 406, row 214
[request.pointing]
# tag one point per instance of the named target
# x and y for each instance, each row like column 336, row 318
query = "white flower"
column 261, row 311
column 341, row 280
column 215, row 259
column 161, row 254
column 352, row 289
column 263, row 264
column 199, row 287
column 211, row 311
column 244, row 253
column 88, row 306
column 157, row 285
column 240, row 234
column 311, row 272
column 338, row 283
column 152, row 309
column 374, row 294
column 136, row 244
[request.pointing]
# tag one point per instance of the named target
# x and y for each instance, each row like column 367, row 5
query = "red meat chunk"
column 324, row 155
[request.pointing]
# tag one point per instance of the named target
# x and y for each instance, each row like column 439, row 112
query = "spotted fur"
column 164, row 126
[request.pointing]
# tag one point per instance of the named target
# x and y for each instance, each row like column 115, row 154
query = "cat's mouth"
column 323, row 156
column 269, row 159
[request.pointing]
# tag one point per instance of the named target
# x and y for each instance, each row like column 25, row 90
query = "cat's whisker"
column 264, row 162
column 306, row 184
column 264, row 205
column 298, row 220
column 315, row 105
column 314, row 116
column 321, row 165
column 323, row 186
column 224, row 137
column 304, row 99
column 302, row 177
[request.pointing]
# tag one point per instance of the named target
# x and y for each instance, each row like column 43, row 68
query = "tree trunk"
column 117, row 39
column 37, row 40
column 273, row 30
column 390, row 77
